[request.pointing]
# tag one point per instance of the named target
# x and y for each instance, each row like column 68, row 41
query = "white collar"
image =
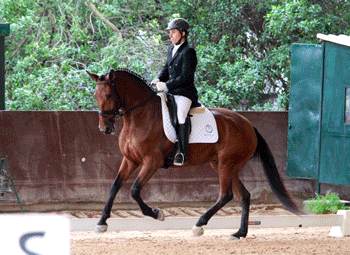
column 176, row 47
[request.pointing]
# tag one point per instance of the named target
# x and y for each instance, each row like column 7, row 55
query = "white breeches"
column 183, row 106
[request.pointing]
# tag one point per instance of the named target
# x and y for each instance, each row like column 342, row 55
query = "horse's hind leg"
column 225, row 196
column 126, row 169
column 243, row 197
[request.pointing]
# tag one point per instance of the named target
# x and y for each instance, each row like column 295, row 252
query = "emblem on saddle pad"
column 203, row 124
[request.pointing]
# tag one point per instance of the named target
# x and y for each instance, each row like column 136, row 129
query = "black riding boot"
column 183, row 137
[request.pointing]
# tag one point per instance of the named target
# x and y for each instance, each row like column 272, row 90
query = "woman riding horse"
column 143, row 142
column 177, row 76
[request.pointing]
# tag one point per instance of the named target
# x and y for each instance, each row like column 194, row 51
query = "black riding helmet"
column 181, row 25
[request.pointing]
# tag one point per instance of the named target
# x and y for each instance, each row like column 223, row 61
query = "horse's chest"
column 136, row 142
column 130, row 145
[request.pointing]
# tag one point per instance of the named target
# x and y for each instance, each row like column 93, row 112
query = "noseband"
column 114, row 113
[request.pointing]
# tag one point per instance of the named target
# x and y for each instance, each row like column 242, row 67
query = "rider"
column 177, row 76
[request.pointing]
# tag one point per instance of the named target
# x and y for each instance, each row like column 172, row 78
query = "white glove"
column 161, row 86
column 155, row 81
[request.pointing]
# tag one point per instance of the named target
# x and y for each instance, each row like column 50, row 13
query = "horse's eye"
column 109, row 96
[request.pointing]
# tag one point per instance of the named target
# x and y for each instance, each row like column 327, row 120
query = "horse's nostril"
column 108, row 130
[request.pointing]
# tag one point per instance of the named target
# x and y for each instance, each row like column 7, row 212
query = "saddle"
column 196, row 108
column 202, row 121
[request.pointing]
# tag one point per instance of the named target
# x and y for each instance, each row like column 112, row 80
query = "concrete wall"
column 59, row 160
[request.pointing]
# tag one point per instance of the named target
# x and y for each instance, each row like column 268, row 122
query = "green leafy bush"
column 243, row 47
column 329, row 203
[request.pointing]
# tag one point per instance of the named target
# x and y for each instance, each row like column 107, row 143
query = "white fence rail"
column 339, row 222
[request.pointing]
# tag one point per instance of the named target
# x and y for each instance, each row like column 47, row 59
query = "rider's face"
column 175, row 35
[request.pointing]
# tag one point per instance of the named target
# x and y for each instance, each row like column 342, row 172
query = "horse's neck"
column 135, row 98
column 139, row 102
column 134, row 93
column 149, row 113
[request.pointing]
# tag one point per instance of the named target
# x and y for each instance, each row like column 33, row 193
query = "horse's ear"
column 112, row 75
column 93, row 76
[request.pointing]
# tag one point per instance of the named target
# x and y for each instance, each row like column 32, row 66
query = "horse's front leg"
column 145, row 174
column 126, row 169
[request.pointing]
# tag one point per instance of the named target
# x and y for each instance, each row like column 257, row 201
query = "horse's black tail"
column 273, row 176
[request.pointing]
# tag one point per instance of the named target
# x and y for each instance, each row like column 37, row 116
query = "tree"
column 243, row 47
column 52, row 43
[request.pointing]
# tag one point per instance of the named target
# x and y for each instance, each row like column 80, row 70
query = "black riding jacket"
column 178, row 72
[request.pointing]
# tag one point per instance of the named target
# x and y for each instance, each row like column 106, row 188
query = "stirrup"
column 179, row 159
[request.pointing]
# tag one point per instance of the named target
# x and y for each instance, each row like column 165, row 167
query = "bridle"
column 114, row 112
column 117, row 112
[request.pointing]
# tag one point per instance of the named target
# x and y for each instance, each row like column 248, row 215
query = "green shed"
column 319, row 111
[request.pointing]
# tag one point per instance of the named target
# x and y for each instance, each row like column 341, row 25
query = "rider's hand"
column 161, row 86
column 155, row 81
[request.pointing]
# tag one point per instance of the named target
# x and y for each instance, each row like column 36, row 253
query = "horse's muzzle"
column 107, row 130
column 106, row 126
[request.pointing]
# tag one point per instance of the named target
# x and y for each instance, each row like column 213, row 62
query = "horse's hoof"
column 101, row 228
column 233, row 238
column 160, row 215
column 197, row 231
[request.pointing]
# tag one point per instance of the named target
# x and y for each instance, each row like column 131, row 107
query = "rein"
column 140, row 104
column 116, row 113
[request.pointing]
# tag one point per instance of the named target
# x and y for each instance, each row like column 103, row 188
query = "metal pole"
column 4, row 31
column 3, row 162
column 318, row 184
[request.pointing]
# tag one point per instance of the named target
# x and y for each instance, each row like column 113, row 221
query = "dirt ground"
column 259, row 241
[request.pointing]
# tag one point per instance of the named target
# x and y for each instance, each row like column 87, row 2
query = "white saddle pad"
column 203, row 125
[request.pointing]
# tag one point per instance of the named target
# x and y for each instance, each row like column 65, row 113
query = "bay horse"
column 142, row 141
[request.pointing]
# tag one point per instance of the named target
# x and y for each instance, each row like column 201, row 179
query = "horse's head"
column 108, row 100
column 116, row 89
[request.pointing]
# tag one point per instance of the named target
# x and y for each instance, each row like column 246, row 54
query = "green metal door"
column 305, row 111
column 335, row 132
column 319, row 113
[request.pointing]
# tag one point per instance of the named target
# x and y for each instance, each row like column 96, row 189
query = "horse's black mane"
column 140, row 78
